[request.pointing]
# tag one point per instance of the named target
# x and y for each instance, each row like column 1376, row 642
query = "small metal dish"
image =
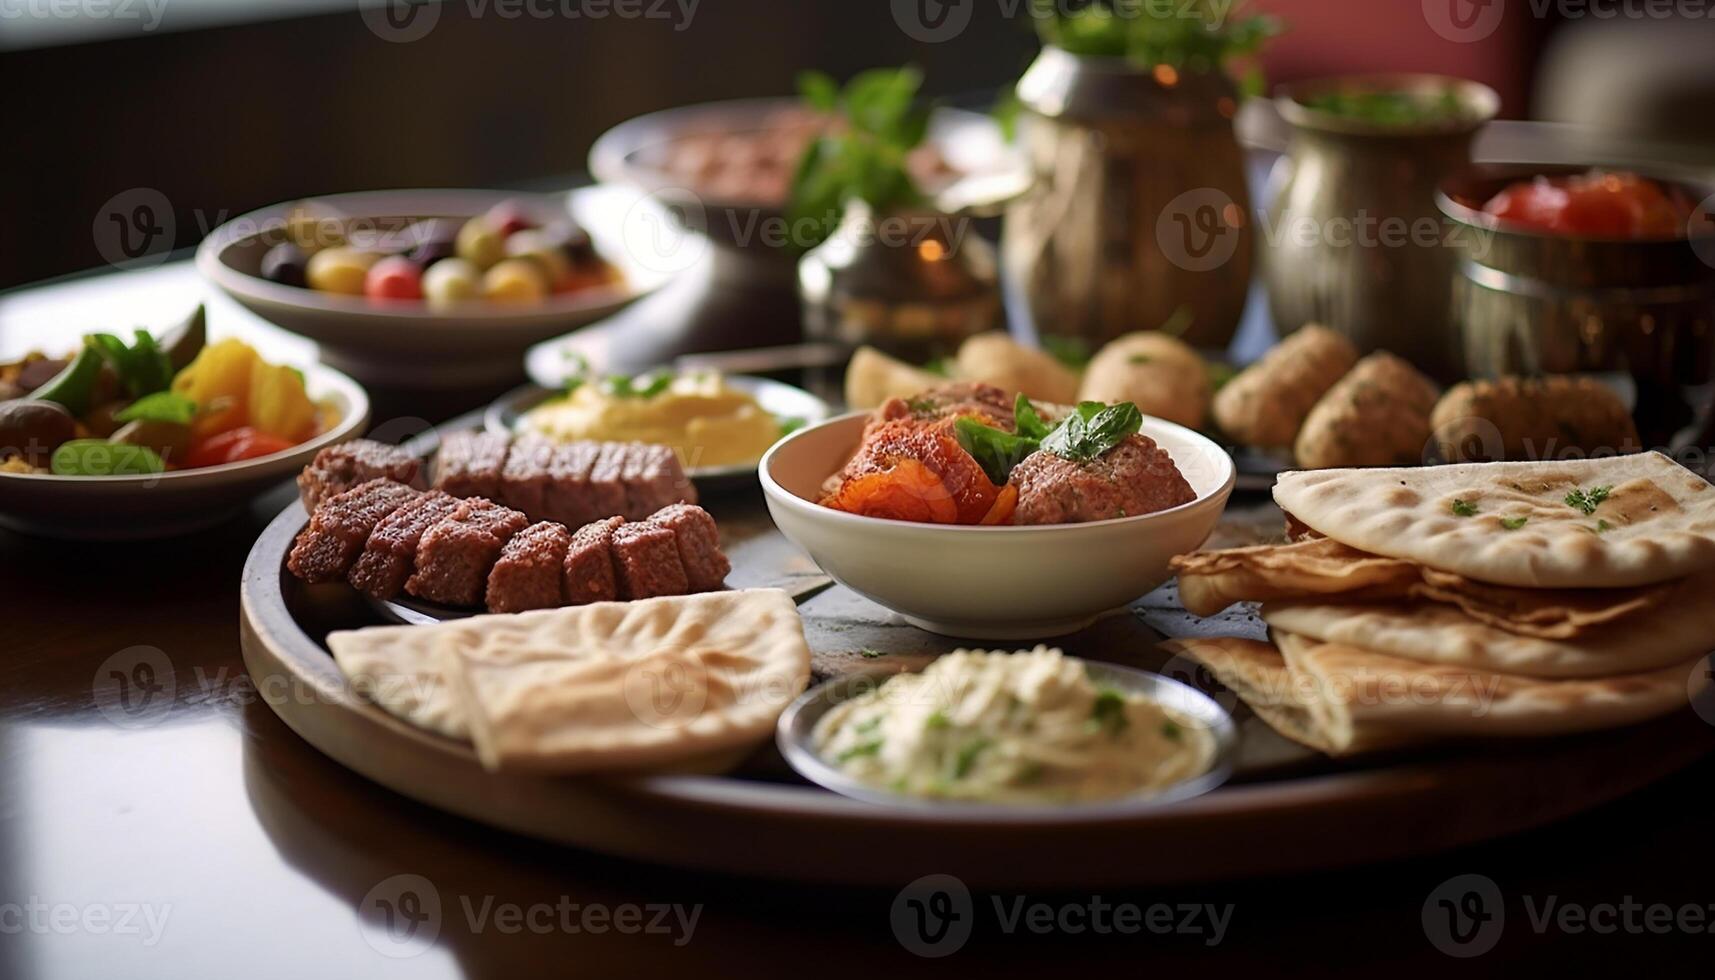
column 797, row 724
column 779, row 399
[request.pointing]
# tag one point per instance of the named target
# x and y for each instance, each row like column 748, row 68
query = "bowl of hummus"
column 719, row 425
column 1010, row 732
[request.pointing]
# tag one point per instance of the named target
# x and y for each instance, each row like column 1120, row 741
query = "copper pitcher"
column 1140, row 208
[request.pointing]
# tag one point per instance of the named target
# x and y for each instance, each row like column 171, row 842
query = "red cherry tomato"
column 1595, row 205
column 395, row 277
column 234, row 445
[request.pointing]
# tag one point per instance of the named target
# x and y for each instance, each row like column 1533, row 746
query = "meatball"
column 1135, row 477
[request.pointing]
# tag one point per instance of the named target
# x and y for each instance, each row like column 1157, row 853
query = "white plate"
column 408, row 344
column 777, row 398
column 129, row 508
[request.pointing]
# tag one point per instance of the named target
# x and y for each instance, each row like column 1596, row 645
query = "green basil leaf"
column 98, row 457
column 1025, row 418
column 162, row 406
column 1093, row 430
column 996, row 451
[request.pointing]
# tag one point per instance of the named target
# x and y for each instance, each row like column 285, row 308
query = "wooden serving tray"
column 1286, row 809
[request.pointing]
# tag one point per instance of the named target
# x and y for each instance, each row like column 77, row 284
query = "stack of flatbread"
column 647, row 684
column 1479, row 599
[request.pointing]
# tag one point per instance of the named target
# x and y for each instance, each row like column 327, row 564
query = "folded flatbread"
column 1611, row 522
column 1322, row 568
column 1342, row 700
column 1433, row 633
column 609, row 685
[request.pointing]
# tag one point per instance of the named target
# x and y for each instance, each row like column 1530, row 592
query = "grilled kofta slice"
column 646, row 562
column 471, row 464
column 391, row 552
column 653, row 479
column 340, row 526
column 699, row 544
column 455, row 556
column 569, row 497
column 1135, row 477
column 529, row 572
column 589, row 575
column 337, row 469
column 524, row 477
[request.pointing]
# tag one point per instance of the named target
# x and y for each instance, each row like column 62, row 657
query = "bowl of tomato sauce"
column 1567, row 269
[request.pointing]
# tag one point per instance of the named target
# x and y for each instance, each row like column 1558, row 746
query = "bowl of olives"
column 435, row 288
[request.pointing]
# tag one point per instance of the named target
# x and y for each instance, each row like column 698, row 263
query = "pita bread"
column 1441, row 634
column 1342, row 700
column 1210, row 581
column 399, row 668
column 610, row 685
column 1649, row 519
column 640, row 684
column 873, row 377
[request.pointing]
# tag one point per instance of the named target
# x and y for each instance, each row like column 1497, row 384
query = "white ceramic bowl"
column 1001, row 583
column 131, row 508
column 408, row 344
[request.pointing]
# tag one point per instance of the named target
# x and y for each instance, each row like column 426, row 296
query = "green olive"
column 170, row 440
column 33, row 429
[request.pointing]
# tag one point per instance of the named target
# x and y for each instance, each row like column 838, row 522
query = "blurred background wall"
column 229, row 105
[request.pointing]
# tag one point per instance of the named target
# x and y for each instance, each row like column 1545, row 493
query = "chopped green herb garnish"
column 1513, row 523
column 867, row 725
column 1171, row 731
column 1109, row 711
column 1463, row 508
column 1602, row 527
column 862, row 748
column 1139, row 359
column 937, row 720
column 967, row 758
column 790, row 425
column 642, row 386
column 939, row 366
column 870, row 654
column 1588, row 500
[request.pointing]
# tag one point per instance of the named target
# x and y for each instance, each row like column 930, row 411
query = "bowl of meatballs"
column 974, row 513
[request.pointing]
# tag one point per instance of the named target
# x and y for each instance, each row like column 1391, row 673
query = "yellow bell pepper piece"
column 279, row 405
column 219, row 382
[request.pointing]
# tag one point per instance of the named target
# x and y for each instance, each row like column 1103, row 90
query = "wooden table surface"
column 199, row 837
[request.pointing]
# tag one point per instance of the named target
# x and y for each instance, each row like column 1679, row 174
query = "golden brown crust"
column 1266, row 404
column 1377, row 415
column 1531, row 419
